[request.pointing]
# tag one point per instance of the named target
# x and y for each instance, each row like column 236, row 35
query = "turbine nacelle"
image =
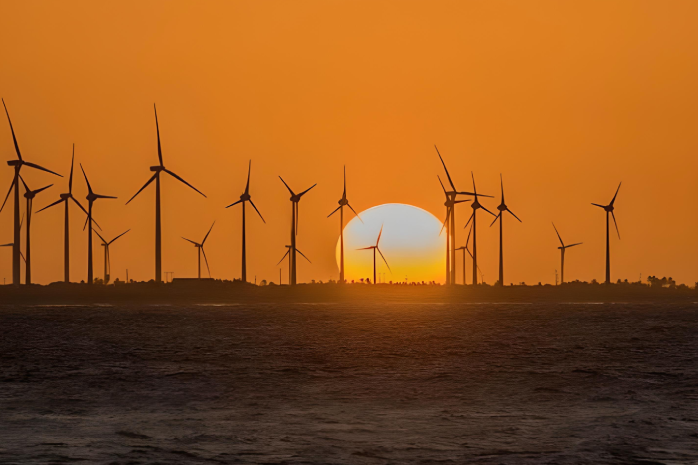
column 15, row 162
column 502, row 208
column 65, row 196
column 343, row 202
column 157, row 168
column 475, row 205
column 245, row 197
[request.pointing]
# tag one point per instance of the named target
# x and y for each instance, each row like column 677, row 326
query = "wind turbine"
column 246, row 197
column 295, row 199
column 200, row 247
column 287, row 254
column 15, row 184
column 375, row 247
column 562, row 255
column 156, row 177
column 450, row 218
column 476, row 205
column 107, row 258
column 66, row 234
column 502, row 208
column 609, row 210
column 342, row 203
column 29, row 195
column 91, row 197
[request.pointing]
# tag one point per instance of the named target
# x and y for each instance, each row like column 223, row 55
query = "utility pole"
column 556, row 277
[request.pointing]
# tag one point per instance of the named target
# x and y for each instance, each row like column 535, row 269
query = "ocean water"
column 354, row 384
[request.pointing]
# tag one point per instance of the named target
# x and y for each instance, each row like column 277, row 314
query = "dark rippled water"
column 327, row 383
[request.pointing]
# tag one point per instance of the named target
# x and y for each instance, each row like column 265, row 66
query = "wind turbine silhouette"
column 609, row 210
column 375, row 247
column 295, row 199
column 16, row 253
column 464, row 249
column 448, row 223
column 502, row 208
column 287, row 254
column 66, row 234
column 562, row 254
column 201, row 250
column 29, row 195
column 476, row 205
column 246, row 197
column 107, row 257
column 156, row 177
column 451, row 231
column 91, row 197
column 342, row 203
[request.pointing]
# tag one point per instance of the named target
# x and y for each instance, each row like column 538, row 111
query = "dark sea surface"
column 350, row 383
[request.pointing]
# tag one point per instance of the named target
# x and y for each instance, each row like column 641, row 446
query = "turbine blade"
column 282, row 258
column 112, row 241
column 22, row 255
column 367, row 248
column 305, row 191
column 474, row 188
column 157, row 128
column 189, row 240
column 209, row 232
column 249, row 172
column 42, row 189
column 152, row 178
column 602, row 206
column 88, row 182
column 51, row 205
column 14, row 139
column 7, row 245
column 289, row 189
column 572, row 245
column 80, row 205
column 379, row 235
column 501, row 182
column 558, row 235
column 614, row 222
column 386, row 261
column 182, row 180
column 12, row 184
column 487, row 211
column 448, row 216
column 445, row 169
column 35, row 166
column 100, row 196
column 469, row 233
column 234, row 203
column 72, row 162
column 335, row 211
column 357, row 215
column 616, row 195
column 512, row 214
column 344, row 194
column 206, row 260
column 104, row 241
column 303, row 255
column 26, row 188
column 86, row 221
column 469, row 219
column 496, row 218
column 442, row 185
column 462, row 201
column 255, row 209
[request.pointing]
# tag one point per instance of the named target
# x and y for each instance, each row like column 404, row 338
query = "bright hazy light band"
column 410, row 243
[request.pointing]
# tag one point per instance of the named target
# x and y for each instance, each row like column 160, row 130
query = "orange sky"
column 566, row 99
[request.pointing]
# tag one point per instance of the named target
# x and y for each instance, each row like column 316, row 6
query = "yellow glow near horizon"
column 410, row 243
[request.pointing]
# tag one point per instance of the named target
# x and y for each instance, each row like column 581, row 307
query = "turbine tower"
column 156, row 177
column 476, row 205
column 17, row 164
column 29, row 195
column 375, row 247
column 295, row 199
column 502, row 208
column 66, row 233
column 449, row 204
column 107, row 258
column 246, row 197
column 91, row 197
column 288, row 254
column 200, row 247
column 342, row 203
column 562, row 255
column 609, row 210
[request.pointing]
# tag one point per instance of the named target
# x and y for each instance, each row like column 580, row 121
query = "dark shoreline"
column 236, row 292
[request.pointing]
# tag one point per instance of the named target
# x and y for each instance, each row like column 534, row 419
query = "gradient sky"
column 565, row 99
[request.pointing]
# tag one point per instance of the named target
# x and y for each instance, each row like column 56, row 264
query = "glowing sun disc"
column 410, row 243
